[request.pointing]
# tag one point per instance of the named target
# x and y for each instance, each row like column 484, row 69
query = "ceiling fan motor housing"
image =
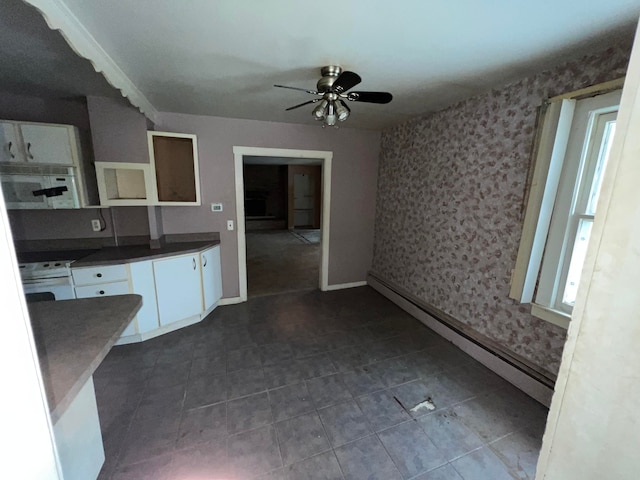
column 329, row 75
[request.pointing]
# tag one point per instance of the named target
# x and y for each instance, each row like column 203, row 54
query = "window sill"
column 560, row 319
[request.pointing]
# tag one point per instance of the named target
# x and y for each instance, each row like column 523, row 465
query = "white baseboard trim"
column 513, row 375
column 342, row 286
column 231, row 301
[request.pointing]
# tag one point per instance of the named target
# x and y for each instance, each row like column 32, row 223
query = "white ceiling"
column 222, row 57
column 35, row 60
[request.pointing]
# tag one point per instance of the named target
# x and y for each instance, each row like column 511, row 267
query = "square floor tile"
column 301, row 437
column 207, row 460
column 328, row 390
column 486, row 417
column 366, row 459
column 203, row 391
column 245, row 382
column 203, row 424
column 249, row 412
column 321, row 467
column 254, row 452
column 316, row 366
column 520, row 451
column 481, row 464
column 446, row 472
column 282, row 374
column 276, row 353
column 411, row 450
column 382, row 410
column 242, row 359
column 425, row 362
column 213, row 364
column 344, row 422
column 394, row 371
column 155, row 469
column 290, row 401
column 449, row 434
column 362, row 381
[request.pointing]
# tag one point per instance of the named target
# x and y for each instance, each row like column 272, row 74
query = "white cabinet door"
column 10, row 148
column 143, row 284
column 178, row 288
column 50, row 144
column 211, row 277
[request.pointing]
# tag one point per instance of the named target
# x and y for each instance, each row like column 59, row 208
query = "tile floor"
column 311, row 386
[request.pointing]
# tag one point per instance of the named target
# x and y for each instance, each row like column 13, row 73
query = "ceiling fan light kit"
column 332, row 90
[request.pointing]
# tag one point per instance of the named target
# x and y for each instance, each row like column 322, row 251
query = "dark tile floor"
column 311, row 386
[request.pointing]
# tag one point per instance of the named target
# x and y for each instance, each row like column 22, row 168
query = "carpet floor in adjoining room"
column 339, row 385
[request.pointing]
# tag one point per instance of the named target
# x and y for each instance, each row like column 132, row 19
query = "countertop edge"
column 64, row 403
column 88, row 262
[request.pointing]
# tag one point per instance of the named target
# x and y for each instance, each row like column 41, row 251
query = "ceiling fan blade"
column 345, row 81
column 303, row 104
column 370, row 97
column 312, row 92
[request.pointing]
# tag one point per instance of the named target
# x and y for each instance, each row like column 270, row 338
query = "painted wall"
column 593, row 429
column 119, row 131
column 450, row 204
column 354, row 177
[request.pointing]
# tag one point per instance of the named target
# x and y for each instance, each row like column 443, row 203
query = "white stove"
column 47, row 280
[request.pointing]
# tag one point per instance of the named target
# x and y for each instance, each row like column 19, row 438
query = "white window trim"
column 551, row 145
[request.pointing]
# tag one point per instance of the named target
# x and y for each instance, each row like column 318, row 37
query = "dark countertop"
column 53, row 255
column 135, row 253
column 73, row 337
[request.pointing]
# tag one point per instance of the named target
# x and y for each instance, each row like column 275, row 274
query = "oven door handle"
column 48, row 282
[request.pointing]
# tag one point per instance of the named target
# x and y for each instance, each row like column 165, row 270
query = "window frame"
column 549, row 153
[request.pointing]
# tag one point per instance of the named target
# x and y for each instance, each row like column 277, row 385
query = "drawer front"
column 104, row 290
column 93, row 275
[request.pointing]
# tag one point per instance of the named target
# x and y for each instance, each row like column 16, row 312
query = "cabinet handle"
column 29, row 151
column 101, row 292
column 9, row 145
column 99, row 275
column 194, row 263
column 205, row 262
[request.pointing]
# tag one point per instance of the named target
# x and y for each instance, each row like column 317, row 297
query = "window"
column 573, row 148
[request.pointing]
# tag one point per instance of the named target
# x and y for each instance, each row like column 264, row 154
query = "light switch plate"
column 229, row 224
column 216, row 207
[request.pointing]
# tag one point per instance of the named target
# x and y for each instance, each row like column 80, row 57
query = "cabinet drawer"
column 103, row 290
column 93, row 275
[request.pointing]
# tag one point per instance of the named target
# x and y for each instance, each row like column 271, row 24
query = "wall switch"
column 229, row 224
column 216, row 207
column 96, row 226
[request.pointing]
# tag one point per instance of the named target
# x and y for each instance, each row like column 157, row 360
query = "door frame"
column 325, row 157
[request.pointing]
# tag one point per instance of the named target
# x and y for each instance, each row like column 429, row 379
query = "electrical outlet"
column 229, row 224
column 96, row 226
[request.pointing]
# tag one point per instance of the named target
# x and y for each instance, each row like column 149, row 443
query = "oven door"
column 18, row 191
column 48, row 289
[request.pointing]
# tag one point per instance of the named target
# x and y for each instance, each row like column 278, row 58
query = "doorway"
column 282, row 202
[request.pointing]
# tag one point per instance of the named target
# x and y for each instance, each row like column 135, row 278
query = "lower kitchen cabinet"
column 176, row 291
column 178, row 288
column 211, row 277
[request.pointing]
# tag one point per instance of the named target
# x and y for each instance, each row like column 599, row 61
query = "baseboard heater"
column 518, row 371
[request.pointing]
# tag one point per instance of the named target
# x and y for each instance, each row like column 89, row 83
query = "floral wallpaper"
column 450, row 204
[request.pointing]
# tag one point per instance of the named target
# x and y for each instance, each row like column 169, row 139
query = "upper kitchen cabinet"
column 11, row 151
column 38, row 144
column 174, row 159
column 170, row 178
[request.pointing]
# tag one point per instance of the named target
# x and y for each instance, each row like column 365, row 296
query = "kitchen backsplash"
column 450, row 204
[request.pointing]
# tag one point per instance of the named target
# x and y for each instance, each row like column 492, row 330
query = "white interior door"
column 303, row 200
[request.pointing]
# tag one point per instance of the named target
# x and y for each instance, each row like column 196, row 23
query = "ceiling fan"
column 332, row 91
